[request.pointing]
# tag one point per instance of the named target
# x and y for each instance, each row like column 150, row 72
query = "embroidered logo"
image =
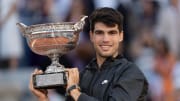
column 104, row 82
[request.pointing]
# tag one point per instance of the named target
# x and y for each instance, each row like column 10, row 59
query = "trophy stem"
column 55, row 65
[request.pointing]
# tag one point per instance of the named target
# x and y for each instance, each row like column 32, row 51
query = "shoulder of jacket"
column 123, row 64
column 128, row 67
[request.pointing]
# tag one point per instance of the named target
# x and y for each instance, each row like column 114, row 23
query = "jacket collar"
column 107, row 63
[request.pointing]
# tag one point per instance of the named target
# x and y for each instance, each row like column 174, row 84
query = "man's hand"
column 73, row 79
column 41, row 94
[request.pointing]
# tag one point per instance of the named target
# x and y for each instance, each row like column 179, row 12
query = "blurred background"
column 152, row 32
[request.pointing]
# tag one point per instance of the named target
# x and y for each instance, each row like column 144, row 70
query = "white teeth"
column 105, row 47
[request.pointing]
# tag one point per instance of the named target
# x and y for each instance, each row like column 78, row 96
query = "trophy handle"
column 22, row 28
column 83, row 18
column 78, row 26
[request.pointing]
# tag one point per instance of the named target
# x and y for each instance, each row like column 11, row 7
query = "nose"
column 105, row 38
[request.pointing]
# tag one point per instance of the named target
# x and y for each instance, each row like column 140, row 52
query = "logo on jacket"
column 104, row 82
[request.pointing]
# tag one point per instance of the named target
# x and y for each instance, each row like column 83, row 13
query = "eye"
column 113, row 32
column 98, row 32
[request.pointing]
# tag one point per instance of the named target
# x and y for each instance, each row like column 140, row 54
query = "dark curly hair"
column 108, row 16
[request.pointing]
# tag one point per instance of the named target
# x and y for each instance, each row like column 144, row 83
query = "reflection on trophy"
column 52, row 40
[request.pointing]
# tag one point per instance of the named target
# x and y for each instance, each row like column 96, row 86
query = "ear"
column 91, row 36
column 121, row 36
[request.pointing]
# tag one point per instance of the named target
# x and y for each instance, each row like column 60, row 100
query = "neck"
column 101, row 59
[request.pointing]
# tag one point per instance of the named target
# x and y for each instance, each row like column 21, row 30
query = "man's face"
column 106, row 39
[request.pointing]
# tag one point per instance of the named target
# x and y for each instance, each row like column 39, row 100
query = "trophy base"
column 49, row 80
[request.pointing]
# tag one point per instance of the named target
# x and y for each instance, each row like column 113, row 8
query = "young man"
column 109, row 77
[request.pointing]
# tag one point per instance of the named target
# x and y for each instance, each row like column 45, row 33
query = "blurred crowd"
column 151, row 39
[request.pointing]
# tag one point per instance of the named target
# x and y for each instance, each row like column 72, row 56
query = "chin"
column 105, row 55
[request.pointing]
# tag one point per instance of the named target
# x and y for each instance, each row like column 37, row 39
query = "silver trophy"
column 52, row 40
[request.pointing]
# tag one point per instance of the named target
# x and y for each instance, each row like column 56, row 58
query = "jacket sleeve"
column 128, row 86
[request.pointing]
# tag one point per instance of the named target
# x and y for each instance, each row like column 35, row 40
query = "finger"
column 76, row 74
column 76, row 69
column 31, row 87
column 36, row 71
column 67, row 69
column 31, row 79
column 73, row 71
column 31, row 82
column 40, row 72
column 39, row 93
column 44, row 91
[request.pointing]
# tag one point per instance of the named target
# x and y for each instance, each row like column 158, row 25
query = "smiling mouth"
column 105, row 47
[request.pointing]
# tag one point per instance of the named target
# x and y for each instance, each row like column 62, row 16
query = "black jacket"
column 117, row 80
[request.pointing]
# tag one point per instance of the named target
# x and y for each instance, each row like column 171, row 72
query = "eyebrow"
column 99, row 30
column 113, row 31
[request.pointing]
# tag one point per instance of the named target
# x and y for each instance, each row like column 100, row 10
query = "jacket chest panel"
column 102, row 84
column 98, row 83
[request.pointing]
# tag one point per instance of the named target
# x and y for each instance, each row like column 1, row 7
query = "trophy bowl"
column 52, row 40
